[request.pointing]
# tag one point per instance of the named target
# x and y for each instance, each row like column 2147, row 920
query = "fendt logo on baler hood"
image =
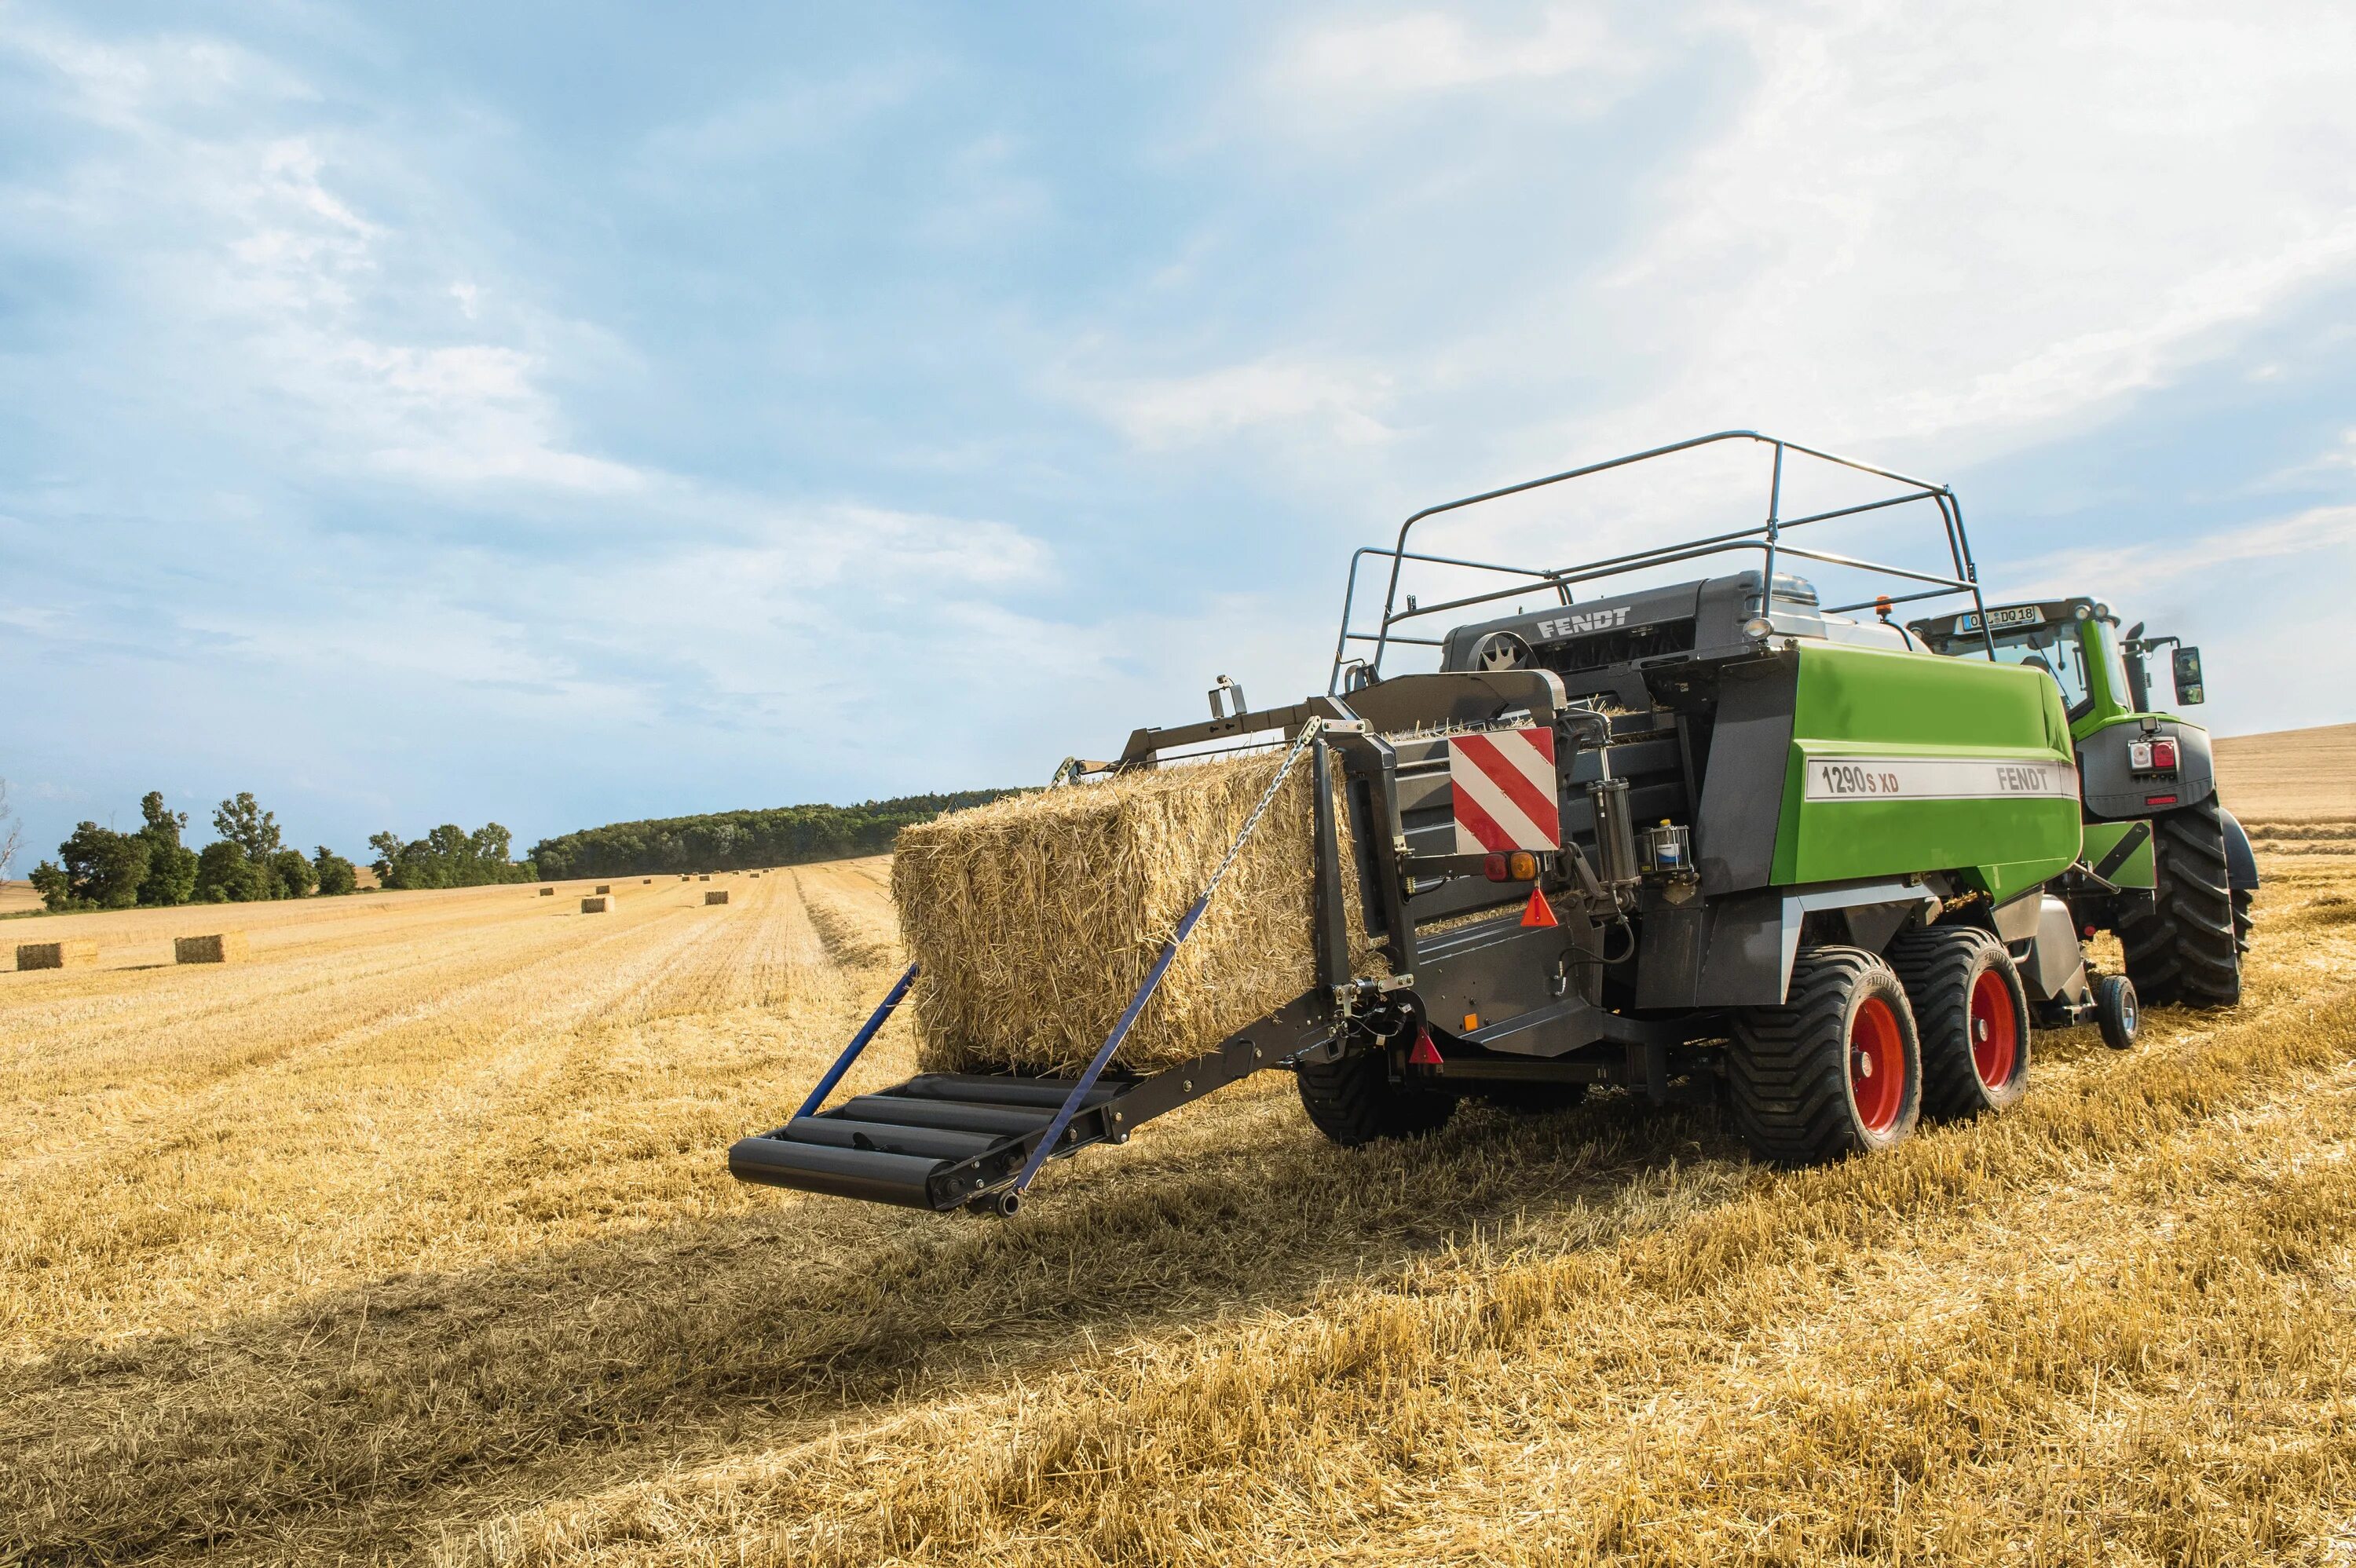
column 1587, row 621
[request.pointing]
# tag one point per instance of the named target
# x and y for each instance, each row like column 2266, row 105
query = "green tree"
column 334, row 873
column 171, row 864
column 244, row 823
column 449, row 857
column 103, row 868
column 292, row 875
column 49, row 881
column 225, row 875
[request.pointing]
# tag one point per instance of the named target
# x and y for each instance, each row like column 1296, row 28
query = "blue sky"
column 559, row 415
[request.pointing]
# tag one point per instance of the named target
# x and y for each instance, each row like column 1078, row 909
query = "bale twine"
column 220, row 947
column 716, row 896
column 1035, row 918
column 78, row 953
column 597, row 904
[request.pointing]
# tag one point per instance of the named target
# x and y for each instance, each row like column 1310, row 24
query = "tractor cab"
column 2102, row 672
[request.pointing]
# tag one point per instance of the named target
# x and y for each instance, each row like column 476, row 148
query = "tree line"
column 249, row 862
column 740, row 840
column 449, row 857
column 98, row 868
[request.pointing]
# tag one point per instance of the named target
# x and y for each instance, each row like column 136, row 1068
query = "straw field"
column 407, row 1238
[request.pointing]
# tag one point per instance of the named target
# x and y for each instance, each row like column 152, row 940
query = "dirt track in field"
column 410, row 1237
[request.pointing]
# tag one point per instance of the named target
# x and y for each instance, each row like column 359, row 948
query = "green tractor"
column 2166, row 865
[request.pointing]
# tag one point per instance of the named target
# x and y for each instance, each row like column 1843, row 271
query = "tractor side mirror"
column 2188, row 675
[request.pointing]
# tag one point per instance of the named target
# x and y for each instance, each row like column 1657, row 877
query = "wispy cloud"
column 1425, row 52
column 1331, row 402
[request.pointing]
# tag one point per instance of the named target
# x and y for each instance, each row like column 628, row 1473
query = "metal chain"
column 1309, row 732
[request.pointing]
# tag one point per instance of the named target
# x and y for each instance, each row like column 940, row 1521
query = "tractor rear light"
column 2163, row 754
column 1472, row 1022
column 2139, row 756
column 1522, row 865
column 1496, row 869
column 2160, row 800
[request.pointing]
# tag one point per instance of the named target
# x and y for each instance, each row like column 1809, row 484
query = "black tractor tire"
column 1354, row 1100
column 2116, row 1012
column 1971, row 1012
column 2184, row 948
column 2243, row 918
column 1836, row 1070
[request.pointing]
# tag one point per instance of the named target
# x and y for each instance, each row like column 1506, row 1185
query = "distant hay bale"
column 1035, row 918
column 716, row 896
column 221, row 947
column 599, row 903
column 704, row 877
column 604, row 888
column 645, row 880
column 78, row 953
column 548, row 892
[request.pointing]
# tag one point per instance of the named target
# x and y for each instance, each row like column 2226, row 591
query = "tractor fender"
column 2113, row 791
column 2241, row 860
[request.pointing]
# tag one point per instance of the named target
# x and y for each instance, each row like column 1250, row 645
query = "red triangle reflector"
column 1539, row 913
column 1425, row 1053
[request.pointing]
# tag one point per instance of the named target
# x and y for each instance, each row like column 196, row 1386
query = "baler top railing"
column 1766, row 537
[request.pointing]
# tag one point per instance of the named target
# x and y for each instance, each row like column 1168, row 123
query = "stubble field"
column 410, row 1238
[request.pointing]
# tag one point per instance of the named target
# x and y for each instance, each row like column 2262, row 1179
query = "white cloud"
column 2122, row 571
column 265, row 288
column 1434, row 51
column 1331, row 402
column 1964, row 224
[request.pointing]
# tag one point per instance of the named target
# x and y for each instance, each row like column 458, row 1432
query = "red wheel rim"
column 1877, row 1065
column 1995, row 1031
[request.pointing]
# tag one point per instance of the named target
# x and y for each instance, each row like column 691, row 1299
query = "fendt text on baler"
column 1710, row 841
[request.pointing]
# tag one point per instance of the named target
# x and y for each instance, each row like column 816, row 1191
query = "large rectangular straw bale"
column 1033, row 918
column 548, row 892
column 220, row 947
column 602, row 888
column 716, row 896
column 599, row 903
column 77, row 953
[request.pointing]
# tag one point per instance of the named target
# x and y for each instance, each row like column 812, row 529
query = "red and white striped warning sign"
column 1502, row 781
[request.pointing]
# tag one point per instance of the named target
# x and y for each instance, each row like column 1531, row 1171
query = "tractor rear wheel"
column 2183, row 949
column 1972, row 1014
column 2242, row 918
column 1352, row 1101
column 1836, row 1070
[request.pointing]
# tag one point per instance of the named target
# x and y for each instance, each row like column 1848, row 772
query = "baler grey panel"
column 1669, row 959
column 1497, row 970
column 1718, row 953
column 2113, row 791
column 1404, row 701
column 1749, row 754
column 2017, row 920
column 1743, row 964
column 1909, row 897
column 2241, row 862
column 2056, row 965
column 1870, row 926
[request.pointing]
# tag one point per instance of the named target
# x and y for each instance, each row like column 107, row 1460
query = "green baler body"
column 1906, row 762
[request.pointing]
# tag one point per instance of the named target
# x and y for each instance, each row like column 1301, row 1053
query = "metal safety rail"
column 950, row 1140
column 1767, row 537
